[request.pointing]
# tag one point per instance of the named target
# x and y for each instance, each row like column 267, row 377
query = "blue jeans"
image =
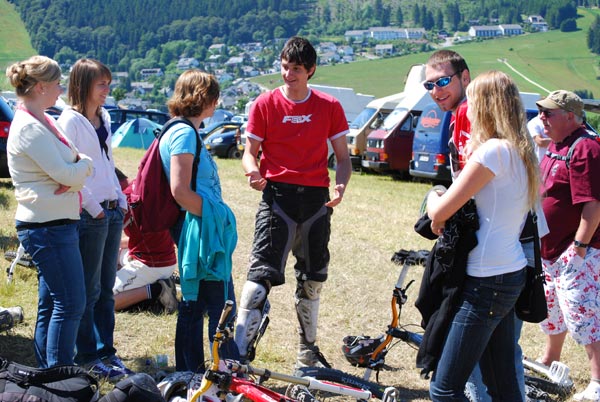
column 475, row 388
column 99, row 241
column 61, row 293
column 481, row 331
column 189, row 337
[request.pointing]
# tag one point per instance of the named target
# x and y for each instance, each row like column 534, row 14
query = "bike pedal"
column 559, row 373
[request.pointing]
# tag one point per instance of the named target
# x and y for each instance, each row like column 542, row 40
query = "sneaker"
column 117, row 364
column 168, row 295
column 591, row 393
column 101, row 371
column 310, row 356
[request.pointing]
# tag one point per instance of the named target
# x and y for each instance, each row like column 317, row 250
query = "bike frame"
column 227, row 382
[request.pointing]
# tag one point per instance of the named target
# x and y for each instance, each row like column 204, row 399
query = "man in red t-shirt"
column 147, row 263
column 571, row 251
column 292, row 124
column 446, row 78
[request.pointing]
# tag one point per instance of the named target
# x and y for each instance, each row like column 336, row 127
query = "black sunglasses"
column 440, row 82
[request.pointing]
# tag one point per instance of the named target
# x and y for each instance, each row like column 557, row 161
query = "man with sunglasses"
column 446, row 78
column 571, row 252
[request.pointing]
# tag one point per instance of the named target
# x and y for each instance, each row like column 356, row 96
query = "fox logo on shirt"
column 297, row 119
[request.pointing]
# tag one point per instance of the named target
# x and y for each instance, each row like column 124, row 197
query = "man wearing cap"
column 571, row 251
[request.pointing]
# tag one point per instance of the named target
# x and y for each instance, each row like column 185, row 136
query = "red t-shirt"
column 155, row 250
column 460, row 129
column 564, row 192
column 294, row 136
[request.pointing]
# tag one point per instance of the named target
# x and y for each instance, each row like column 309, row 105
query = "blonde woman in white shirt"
column 502, row 175
column 87, row 124
column 48, row 173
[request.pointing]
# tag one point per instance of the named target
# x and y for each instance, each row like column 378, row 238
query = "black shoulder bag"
column 531, row 304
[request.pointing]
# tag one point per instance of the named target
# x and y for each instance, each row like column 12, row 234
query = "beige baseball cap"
column 564, row 100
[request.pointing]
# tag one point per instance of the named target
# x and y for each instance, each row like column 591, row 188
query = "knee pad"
column 252, row 318
column 307, row 308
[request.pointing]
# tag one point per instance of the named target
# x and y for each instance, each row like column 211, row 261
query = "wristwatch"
column 577, row 243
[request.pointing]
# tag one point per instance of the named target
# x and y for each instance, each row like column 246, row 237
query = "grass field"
column 374, row 220
column 556, row 60
column 15, row 44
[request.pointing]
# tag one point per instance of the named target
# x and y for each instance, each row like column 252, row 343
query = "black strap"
column 536, row 246
column 171, row 123
column 21, row 374
column 567, row 158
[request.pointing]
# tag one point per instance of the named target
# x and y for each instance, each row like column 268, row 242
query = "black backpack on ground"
column 20, row 383
column 139, row 387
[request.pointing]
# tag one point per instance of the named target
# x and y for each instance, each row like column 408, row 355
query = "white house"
column 186, row 63
column 485, row 31
column 355, row 35
column 511, row 29
column 384, row 50
column 414, row 33
column 387, row 33
column 150, row 72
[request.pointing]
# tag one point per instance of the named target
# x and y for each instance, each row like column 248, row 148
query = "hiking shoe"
column 117, row 364
column 310, row 356
column 168, row 295
column 103, row 372
column 9, row 317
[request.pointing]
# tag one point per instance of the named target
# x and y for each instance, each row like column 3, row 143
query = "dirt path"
column 505, row 61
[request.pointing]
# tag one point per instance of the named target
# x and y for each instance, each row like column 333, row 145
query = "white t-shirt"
column 502, row 209
column 536, row 128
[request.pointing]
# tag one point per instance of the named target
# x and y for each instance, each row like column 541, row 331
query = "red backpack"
column 151, row 204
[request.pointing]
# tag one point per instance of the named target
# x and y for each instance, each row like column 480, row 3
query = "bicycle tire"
column 343, row 378
column 548, row 386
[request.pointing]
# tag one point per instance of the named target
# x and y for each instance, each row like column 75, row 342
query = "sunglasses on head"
column 440, row 82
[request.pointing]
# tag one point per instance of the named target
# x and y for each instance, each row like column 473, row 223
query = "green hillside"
column 552, row 59
column 15, row 44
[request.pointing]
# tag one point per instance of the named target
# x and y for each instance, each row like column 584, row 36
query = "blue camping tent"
column 137, row 133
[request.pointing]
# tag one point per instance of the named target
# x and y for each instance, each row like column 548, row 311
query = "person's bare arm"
column 250, row 165
column 590, row 218
column 440, row 207
column 181, row 176
column 343, row 170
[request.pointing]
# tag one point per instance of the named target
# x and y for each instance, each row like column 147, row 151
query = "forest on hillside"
column 120, row 31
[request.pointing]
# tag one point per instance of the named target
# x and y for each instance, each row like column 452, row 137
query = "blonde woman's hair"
column 24, row 75
column 496, row 111
column 195, row 91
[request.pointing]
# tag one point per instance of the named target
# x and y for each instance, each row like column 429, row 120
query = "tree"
column 439, row 20
column 118, row 93
column 568, row 25
column 416, row 15
column 593, row 36
column 399, row 16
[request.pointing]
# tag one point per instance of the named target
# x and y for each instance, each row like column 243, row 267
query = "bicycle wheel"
column 548, row 386
column 340, row 377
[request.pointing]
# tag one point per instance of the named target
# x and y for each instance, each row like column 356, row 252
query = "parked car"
column 430, row 158
column 224, row 143
column 120, row 116
column 6, row 116
column 218, row 127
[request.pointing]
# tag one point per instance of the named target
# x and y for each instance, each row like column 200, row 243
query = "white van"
column 375, row 113
column 368, row 120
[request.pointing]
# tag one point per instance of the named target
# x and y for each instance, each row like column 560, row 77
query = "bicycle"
column 369, row 352
column 220, row 382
